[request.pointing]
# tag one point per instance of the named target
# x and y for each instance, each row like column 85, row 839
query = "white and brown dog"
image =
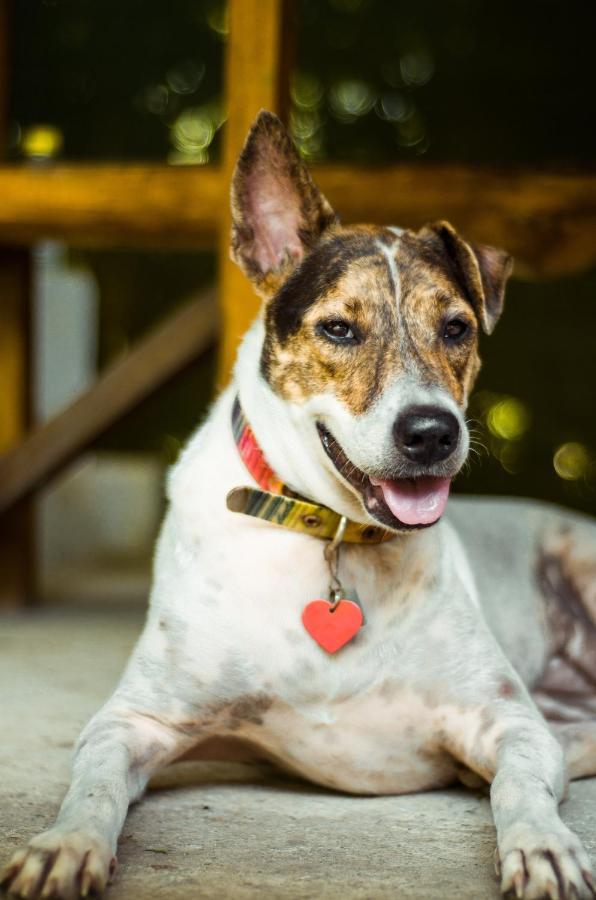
column 465, row 647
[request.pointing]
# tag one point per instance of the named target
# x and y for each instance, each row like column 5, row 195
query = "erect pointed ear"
column 482, row 270
column 277, row 211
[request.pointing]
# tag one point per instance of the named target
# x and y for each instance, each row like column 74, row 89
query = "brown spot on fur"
column 249, row 709
column 216, row 717
column 507, row 689
column 566, row 690
column 557, row 584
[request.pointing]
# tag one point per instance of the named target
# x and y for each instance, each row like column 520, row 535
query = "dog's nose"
column 426, row 434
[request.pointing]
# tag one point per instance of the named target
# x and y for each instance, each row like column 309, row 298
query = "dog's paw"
column 59, row 864
column 549, row 864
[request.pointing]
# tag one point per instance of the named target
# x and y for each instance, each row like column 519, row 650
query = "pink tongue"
column 416, row 501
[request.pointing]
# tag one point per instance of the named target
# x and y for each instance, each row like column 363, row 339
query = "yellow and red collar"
column 277, row 503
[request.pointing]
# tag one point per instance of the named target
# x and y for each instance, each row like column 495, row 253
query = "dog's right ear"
column 483, row 272
column 278, row 213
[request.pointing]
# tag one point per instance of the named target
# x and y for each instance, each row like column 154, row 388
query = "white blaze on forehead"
column 389, row 254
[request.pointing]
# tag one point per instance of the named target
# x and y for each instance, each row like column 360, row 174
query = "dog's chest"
column 381, row 741
column 353, row 720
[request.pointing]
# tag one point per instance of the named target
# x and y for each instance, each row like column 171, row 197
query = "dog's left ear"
column 278, row 213
column 482, row 270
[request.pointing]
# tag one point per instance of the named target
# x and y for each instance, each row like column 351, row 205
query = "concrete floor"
column 215, row 830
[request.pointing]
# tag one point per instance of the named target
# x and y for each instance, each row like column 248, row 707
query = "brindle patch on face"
column 350, row 276
column 431, row 295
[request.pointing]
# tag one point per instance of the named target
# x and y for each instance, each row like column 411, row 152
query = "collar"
column 275, row 502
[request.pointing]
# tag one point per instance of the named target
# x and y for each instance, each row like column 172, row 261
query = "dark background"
column 507, row 84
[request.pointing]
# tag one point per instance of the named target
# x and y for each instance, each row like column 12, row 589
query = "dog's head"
column 371, row 331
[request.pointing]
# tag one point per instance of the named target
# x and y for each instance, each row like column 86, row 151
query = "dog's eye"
column 339, row 331
column 455, row 330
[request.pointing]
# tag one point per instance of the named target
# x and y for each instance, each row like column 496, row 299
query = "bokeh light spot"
column 417, row 67
column 156, row 99
column 185, row 77
column 306, row 91
column 508, row 419
column 572, row 461
column 191, row 135
column 350, row 99
column 509, row 455
column 217, row 19
column 305, row 128
column 395, row 107
column 41, row 141
column 412, row 132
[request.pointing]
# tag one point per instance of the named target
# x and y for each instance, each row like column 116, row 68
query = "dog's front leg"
column 116, row 754
column 511, row 746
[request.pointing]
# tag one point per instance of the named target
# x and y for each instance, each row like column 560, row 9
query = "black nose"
column 426, row 434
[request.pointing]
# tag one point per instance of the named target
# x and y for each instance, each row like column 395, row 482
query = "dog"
column 310, row 595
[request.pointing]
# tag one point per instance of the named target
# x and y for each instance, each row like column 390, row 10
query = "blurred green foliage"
column 462, row 81
column 113, row 76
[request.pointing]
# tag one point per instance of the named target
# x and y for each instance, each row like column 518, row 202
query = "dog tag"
column 332, row 625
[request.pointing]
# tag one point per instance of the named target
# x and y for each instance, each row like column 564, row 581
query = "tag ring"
column 336, row 540
column 331, row 554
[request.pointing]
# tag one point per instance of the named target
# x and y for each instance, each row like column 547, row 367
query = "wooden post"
column 4, row 26
column 16, row 529
column 254, row 74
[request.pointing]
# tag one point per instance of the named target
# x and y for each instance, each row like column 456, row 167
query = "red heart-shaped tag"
column 332, row 625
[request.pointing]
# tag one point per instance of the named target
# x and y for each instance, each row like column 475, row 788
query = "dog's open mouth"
column 400, row 503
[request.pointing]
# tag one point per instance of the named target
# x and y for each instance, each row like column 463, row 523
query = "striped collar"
column 275, row 502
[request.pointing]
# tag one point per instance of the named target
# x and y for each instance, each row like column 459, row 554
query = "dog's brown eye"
column 339, row 331
column 455, row 330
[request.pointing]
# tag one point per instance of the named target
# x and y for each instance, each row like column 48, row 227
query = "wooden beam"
column 157, row 357
column 111, row 205
column 253, row 81
column 545, row 219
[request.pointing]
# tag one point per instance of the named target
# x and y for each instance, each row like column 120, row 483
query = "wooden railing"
column 545, row 219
